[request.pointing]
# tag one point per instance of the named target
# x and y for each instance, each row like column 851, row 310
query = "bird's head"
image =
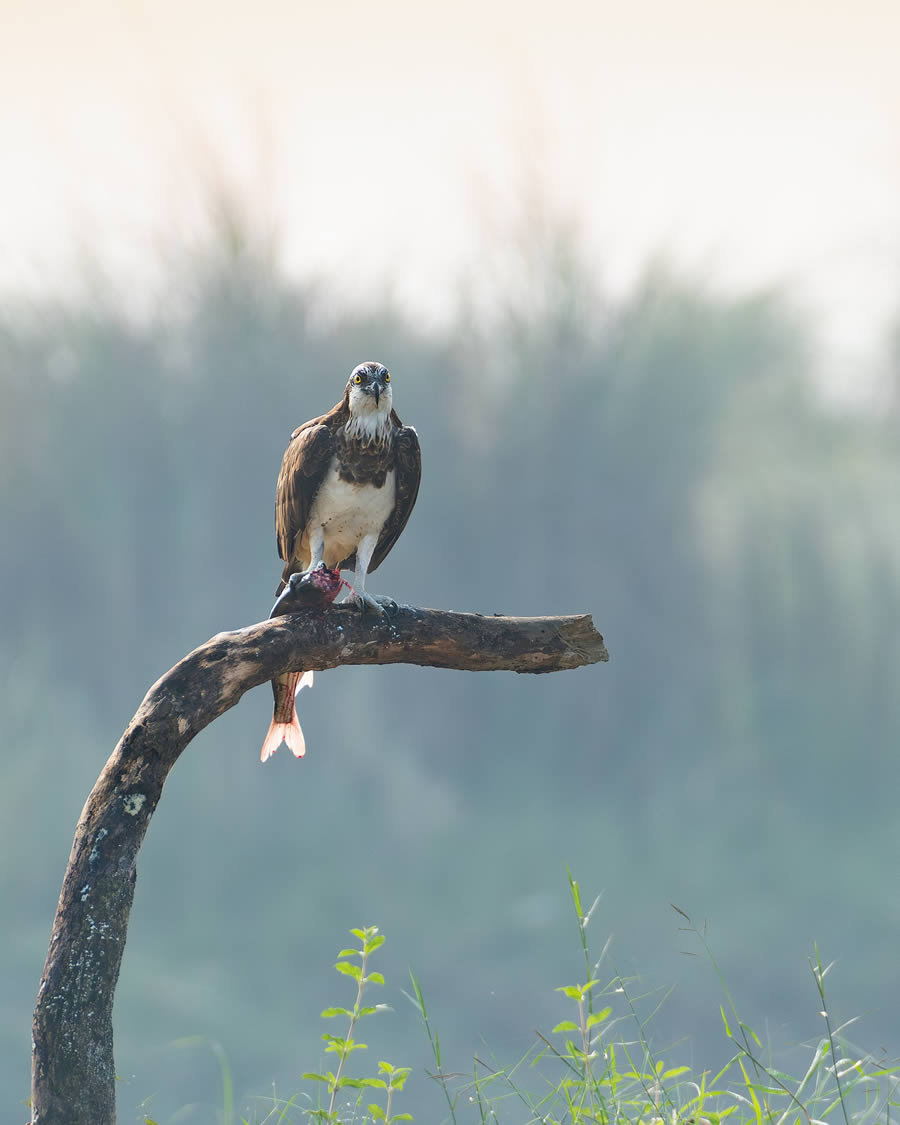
column 369, row 387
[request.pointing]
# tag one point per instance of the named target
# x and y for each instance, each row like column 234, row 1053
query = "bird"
column 348, row 482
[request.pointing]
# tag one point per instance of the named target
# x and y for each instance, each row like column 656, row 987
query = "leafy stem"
column 344, row 1046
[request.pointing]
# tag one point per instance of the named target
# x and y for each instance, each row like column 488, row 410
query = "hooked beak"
column 377, row 389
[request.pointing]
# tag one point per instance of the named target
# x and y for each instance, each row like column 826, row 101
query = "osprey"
column 348, row 482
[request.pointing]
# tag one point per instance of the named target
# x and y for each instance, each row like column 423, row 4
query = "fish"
column 313, row 589
column 285, row 726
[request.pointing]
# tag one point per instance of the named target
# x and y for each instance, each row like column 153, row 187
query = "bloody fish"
column 314, row 589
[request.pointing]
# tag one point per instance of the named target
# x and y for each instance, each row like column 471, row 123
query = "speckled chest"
column 348, row 511
column 356, row 496
column 362, row 463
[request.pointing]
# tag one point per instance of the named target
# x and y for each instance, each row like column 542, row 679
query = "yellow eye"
column 387, row 376
column 357, row 379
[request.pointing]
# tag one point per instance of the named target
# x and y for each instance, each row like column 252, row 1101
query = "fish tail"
column 283, row 732
column 285, row 726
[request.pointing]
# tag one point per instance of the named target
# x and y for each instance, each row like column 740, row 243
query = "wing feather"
column 408, row 474
column 305, row 462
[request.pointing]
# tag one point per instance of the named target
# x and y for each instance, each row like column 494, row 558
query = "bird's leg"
column 316, row 555
column 316, row 547
column 367, row 602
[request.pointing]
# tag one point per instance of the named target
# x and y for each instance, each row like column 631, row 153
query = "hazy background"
column 635, row 273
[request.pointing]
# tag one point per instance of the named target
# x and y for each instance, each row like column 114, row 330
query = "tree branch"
column 73, row 1074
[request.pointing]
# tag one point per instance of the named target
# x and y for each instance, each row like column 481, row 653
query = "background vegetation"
column 665, row 462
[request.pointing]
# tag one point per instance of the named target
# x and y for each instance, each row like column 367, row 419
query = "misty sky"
column 387, row 143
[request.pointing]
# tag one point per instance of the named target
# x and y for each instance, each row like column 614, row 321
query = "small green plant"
column 391, row 1078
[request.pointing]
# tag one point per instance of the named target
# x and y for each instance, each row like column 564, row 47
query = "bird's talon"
column 366, row 603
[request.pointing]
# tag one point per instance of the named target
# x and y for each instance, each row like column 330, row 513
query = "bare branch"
column 73, row 1074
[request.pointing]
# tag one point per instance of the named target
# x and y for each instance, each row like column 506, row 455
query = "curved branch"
column 73, row 1074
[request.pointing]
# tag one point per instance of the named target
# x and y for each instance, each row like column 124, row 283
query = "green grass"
column 597, row 1067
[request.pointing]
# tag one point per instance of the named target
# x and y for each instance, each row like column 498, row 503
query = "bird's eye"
column 387, row 376
column 357, row 379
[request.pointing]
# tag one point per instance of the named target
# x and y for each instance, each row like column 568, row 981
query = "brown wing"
column 408, row 473
column 305, row 461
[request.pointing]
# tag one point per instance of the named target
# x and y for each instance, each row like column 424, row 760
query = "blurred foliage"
column 664, row 462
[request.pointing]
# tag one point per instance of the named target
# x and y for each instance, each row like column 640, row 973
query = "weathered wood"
column 73, row 1074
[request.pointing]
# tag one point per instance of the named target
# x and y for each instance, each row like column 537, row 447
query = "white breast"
column 348, row 512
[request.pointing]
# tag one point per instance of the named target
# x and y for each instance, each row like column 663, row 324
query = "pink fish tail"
column 285, row 726
column 284, row 732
